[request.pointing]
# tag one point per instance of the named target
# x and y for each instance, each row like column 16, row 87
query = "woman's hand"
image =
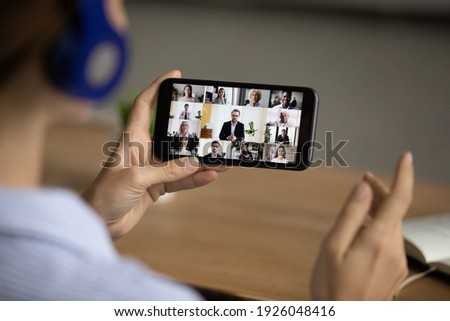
column 121, row 194
column 360, row 261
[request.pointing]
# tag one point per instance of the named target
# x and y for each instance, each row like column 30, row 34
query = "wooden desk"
column 253, row 232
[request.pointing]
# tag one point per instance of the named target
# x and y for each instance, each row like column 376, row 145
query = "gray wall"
column 384, row 83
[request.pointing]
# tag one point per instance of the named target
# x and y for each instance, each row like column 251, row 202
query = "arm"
column 360, row 262
column 223, row 132
column 121, row 194
column 239, row 132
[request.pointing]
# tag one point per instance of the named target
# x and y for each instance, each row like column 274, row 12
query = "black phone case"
column 163, row 143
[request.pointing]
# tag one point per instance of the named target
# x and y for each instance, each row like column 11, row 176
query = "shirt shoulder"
column 54, row 247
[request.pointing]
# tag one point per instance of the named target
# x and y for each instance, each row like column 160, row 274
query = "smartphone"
column 237, row 124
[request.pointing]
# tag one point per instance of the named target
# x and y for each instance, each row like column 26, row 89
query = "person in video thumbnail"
column 283, row 138
column 246, row 155
column 285, row 101
column 183, row 131
column 215, row 151
column 280, row 155
column 294, row 103
column 255, row 96
column 183, row 150
column 234, row 129
column 283, row 119
column 185, row 114
column 220, row 99
column 187, row 94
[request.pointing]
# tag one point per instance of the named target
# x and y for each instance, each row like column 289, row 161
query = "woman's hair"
column 187, row 86
column 184, row 122
column 256, row 91
column 29, row 28
column 222, row 90
column 280, row 147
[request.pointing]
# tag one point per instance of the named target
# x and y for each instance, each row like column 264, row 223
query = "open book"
column 427, row 239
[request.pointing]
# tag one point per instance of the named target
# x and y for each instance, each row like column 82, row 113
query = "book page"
column 443, row 266
column 431, row 235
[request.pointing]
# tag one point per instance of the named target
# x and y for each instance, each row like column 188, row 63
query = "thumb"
column 140, row 115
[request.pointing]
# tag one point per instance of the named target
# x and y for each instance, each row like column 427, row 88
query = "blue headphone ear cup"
column 89, row 59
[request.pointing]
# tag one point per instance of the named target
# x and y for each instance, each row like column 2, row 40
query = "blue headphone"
column 89, row 59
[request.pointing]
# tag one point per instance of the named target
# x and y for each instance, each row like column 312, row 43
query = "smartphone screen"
column 243, row 124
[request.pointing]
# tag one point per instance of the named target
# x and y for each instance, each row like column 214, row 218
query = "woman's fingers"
column 380, row 191
column 395, row 206
column 167, row 172
column 199, row 179
column 351, row 219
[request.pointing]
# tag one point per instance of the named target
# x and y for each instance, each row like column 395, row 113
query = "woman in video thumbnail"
column 183, row 150
column 280, row 155
column 183, row 131
column 220, row 99
column 187, row 94
column 254, row 96
column 184, row 142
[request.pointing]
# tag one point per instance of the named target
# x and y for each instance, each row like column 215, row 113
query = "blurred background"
column 381, row 67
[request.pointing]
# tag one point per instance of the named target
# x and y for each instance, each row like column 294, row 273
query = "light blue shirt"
column 233, row 127
column 54, row 247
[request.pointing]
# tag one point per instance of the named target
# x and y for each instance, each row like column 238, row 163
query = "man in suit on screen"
column 233, row 130
column 185, row 114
